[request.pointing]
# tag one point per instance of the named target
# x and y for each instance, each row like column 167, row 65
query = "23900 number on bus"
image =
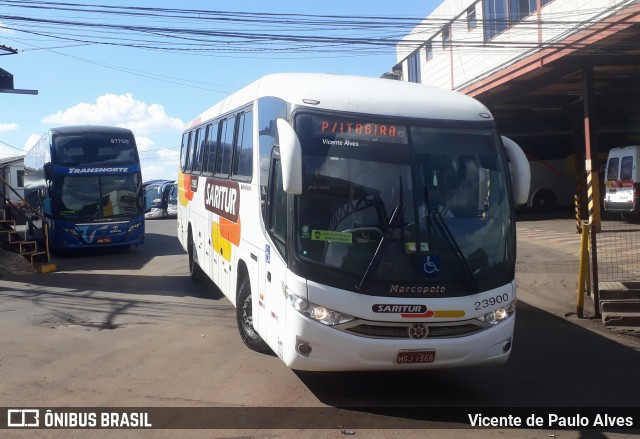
column 491, row 301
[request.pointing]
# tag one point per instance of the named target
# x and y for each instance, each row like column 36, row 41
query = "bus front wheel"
column 244, row 318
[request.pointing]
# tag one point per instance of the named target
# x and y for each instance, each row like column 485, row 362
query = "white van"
column 622, row 181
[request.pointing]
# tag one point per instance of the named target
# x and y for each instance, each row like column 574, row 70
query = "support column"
column 593, row 181
column 591, row 151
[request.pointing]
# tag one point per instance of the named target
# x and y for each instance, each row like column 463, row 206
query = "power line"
column 225, row 32
column 14, row 147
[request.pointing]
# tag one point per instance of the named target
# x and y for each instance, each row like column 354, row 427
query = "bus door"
column 271, row 306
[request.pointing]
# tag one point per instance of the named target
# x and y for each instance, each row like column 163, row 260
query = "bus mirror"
column 291, row 158
column 47, row 171
column 519, row 171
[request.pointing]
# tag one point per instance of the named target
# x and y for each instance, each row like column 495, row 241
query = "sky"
column 154, row 66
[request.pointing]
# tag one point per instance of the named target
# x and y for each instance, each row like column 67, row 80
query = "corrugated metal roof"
column 10, row 160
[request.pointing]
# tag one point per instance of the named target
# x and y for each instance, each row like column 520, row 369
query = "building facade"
column 463, row 41
column 561, row 77
column 12, row 172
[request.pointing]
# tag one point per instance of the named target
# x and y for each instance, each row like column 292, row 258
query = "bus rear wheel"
column 244, row 318
column 195, row 272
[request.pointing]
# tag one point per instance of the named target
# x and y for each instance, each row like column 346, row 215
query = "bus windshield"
column 449, row 185
column 99, row 197
column 94, row 149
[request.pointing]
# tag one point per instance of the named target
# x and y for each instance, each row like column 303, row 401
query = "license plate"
column 103, row 240
column 407, row 357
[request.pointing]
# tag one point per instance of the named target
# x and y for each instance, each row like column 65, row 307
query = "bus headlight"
column 133, row 227
column 318, row 313
column 499, row 315
column 71, row 231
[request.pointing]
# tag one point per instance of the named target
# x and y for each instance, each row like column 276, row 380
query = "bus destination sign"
column 354, row 130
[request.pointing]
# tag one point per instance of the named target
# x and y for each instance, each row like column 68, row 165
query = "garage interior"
column 580, row 92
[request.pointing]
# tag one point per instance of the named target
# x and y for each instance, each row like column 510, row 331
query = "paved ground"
column 132, row 329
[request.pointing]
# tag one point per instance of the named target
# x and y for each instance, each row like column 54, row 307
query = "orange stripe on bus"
column 230, row 231
column 184, row 187
column 453, row 313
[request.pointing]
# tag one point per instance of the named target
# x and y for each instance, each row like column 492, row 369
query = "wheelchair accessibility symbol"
column 431, row 265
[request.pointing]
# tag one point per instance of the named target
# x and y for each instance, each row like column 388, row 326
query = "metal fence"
column 618, row 249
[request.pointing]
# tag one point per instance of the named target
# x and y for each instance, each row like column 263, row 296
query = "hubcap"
column 247, row 317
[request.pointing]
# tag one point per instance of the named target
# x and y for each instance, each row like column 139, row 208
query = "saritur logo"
column 406, row 311
column 222, row 197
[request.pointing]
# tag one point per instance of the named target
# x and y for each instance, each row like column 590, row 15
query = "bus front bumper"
column 313, row 346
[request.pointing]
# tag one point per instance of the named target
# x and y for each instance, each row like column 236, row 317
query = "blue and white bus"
column 86, row 183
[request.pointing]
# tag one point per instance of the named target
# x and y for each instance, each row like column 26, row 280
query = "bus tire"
column 195, row 272
column 544, row 201
column 631, row 217
column 244, row 318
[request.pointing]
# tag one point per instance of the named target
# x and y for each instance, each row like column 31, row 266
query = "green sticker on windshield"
column 327, row 235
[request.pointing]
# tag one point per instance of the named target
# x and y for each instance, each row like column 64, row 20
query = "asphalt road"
column 131, row 330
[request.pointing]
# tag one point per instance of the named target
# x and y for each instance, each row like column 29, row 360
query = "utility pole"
column 6, row 78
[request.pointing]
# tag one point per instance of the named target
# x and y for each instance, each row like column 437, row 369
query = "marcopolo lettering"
column 95, row 170
column 222, row 197
column 399, row 309
column 416, row 289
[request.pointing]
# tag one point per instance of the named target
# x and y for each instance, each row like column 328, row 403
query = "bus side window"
column 196, row 161
column 210, row 149
column 243, row 153
column 184, row 153
column 225, row 148
column 186, row 167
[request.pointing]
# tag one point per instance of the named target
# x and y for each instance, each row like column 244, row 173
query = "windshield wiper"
column 375, row 259
column 377, row 255
column 446, row 232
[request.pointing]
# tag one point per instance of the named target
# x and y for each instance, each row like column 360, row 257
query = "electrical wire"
column 226, row 32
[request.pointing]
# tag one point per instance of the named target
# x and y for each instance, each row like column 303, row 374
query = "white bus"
column 356, row 223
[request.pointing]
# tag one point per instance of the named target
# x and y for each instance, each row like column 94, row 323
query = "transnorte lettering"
column 95, row 170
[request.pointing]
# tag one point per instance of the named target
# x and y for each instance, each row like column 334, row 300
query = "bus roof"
column 89, row 129
column 355, row 94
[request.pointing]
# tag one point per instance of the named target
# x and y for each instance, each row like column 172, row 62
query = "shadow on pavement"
column 117, row 259
column 554, row 363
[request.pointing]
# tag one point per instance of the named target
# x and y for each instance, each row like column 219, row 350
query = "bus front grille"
column 381, row 330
